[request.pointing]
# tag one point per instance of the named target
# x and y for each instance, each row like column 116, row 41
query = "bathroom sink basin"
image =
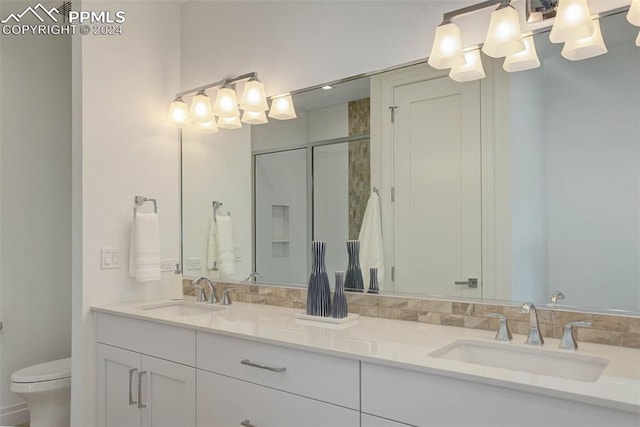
column 539, row 361
column 180, row 308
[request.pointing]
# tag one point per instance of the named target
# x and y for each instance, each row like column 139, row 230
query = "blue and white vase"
column 373, row 282
column 353, row 281
column 319, row 292
column 339, row 306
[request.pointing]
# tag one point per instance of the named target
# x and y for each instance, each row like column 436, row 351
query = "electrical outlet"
column 237, row 253
column 194, row 264
column 109, row 258
column 167, row 265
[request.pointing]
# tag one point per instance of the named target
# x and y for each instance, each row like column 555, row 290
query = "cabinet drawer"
column 330, row 379
column 226, row 402
column 431, row 400
column 154, row 339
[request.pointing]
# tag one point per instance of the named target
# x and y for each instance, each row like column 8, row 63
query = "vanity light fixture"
column 254, row 118
column 573, row 22
column 525, row 60
column 229, row 122
column 178, row 112
column 446, row 51
column 588, row 47
column 638, row 40
column 471, row 70
column 282, row 108
column 504, row 36
column 201, row 108
column 253, row 97
column 207, row 127
column 634, row 13
column 226, row 102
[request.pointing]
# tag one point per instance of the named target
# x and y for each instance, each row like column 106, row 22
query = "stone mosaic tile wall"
column 607, row 329
column 359, row 165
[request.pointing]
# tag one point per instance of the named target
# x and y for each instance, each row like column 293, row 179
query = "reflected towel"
column 212, row 245
column 371, row 247
column 144, row 251
column 224, row 243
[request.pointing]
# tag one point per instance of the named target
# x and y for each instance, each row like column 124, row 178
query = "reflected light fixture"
column 178, row 111
column 638, row 40
column 327, row 87
column 587, row 47
column 253, row 98
column 504, row 36
column 201, row 108
column 446, row 51
column 229, row 122
column 207, row 127
column 226, row 102
column 573, row 22
column 633, row 16
column 282, row 108
column 254, row 118
column 471, row 70
column 525, row 60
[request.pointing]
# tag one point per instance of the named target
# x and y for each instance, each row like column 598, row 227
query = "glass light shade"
column 587, row 47
column 207, row 127
column 633, row 16
column 226, row 103
column 471, row 70
column 201, row 108
column 254, row 118
column 638, row 40
column 573, row 22
column 253, row 97
column 229, row 122
column 525, row 60
column 447, row 47
column 504, row 36
column 178, row 111
column 282, row 108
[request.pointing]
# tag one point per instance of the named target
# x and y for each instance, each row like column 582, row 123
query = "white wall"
column 123, row 86
column 328, row 123
column 35, row 195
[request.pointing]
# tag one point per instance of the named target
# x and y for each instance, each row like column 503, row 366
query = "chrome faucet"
column 534, row 337
column 252, row 276
column 225, row 296
column 213, row 299
column 568, row 338
column 555, row 296
column 503, row 331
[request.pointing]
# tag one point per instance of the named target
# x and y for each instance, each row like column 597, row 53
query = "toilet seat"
column 40, row 386
column 48, row 371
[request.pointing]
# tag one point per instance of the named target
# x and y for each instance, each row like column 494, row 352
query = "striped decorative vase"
column 373, row 283
column 339, row 306
column 353, row 281
column 319, row 292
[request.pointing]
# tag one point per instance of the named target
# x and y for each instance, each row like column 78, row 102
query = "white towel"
column 224, row 243
column 371, row 248
column 144, row 251
column 212, row 244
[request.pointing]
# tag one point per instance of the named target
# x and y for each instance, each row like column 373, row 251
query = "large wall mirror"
column 528, row 183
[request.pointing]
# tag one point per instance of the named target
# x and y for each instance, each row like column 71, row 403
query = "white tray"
column 350, row 318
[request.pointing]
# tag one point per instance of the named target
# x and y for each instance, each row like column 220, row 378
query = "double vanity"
column 170, row 363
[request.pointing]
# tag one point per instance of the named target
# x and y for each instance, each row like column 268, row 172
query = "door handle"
column 140, row 375
column 132, row 372
column 471, row 283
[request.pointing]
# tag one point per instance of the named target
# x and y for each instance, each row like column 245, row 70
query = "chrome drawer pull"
column 257, row 365
column 247, row 423
column 140, row 375
column 131, row 374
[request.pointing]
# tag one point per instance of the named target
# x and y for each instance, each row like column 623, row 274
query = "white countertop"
column 408, row 345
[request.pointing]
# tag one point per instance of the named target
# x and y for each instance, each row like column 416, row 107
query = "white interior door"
column 437, row 179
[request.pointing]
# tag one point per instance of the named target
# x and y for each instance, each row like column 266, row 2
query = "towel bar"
column 216, row 205
column 140, row 200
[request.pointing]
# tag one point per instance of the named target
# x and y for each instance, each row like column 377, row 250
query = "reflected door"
column 281, row 216
column 437, row 208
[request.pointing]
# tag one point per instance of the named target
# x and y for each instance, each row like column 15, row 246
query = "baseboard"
column 14, row 415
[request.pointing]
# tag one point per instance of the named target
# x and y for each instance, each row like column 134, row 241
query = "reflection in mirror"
column 511, row 188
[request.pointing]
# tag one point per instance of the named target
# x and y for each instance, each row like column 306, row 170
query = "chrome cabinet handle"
column 247, row 423
column 471, row 283
column 259, row 366
column 132, row 372
column 140, row 375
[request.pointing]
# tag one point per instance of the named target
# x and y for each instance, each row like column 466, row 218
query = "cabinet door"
column 118, row 387
column 227, row 402
column 168, row 396
column 371, row 421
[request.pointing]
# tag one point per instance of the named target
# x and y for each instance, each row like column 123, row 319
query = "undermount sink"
column 180, row 308
column 538, row 361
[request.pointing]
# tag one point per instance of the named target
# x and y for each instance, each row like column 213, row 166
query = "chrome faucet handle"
column 201, row 295
column 534, row 337
column 225, row 296
column 568, row 341
column 504, row 334
column 555, row 296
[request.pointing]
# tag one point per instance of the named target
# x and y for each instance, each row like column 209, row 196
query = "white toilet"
column 47, row 390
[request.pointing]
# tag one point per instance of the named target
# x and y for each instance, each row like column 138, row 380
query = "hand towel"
column 212, row 245
column 371, row 247
column 224, row 234
column 144, row 251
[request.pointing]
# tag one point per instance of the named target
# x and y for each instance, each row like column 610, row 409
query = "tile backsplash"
column 607, row 329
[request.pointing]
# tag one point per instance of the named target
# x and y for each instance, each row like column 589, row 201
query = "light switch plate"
column 194, row 264
column 109, row 258
column 237, row 253
column 167, row 265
